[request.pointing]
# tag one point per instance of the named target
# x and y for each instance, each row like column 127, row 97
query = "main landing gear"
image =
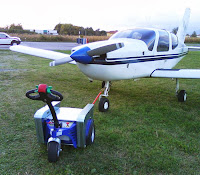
column 103, row 101
column 181, row 95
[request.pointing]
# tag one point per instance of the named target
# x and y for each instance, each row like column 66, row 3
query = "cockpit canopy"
column 146, row 35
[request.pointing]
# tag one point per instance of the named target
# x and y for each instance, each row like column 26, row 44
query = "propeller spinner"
column 85, row 54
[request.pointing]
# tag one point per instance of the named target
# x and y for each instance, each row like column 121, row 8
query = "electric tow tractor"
column 57, row 125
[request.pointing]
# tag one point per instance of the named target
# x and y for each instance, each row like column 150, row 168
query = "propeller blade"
column 105, row 49
column 62, row 61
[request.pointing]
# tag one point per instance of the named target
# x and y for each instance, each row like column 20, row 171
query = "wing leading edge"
column 176, row 73
column 193, row 48
column 59, row 58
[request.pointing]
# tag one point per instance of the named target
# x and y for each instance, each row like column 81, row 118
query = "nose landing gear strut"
column 104, row 102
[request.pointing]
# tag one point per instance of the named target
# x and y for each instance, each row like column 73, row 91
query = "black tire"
column 91, row 134
column 182, row 96
column 104, row 104
column 53, row 152
column 103, row 84
column 13, row 43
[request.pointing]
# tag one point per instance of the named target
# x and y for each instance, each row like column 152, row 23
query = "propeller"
column 83, row 55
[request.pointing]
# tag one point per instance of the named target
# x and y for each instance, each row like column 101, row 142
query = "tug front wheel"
column 103, row 104
column 53, row 151
column 90, row 133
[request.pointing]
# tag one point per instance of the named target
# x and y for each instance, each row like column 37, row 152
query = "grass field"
column 146, row 131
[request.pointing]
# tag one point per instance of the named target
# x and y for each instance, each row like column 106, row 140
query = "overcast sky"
column 103, row 14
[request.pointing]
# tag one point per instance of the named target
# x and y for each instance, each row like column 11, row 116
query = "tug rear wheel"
column 103, row 104
column 53, row 151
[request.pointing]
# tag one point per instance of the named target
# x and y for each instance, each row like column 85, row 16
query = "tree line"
column 15, row 29
column 63, row 29
column 69, row 29
column 175, row 30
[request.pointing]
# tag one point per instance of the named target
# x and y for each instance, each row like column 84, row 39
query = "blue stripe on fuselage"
column 114, row 61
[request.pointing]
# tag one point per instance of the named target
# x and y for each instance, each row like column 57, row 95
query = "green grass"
column 146, row 131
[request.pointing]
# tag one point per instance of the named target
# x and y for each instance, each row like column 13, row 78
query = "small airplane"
column 129, row 54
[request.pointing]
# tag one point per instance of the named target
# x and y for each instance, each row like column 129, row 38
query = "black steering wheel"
column 44, row 93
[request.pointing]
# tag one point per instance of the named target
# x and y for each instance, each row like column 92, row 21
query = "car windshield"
column 146, row 35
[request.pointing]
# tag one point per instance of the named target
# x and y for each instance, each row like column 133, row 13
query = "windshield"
column 146, row 35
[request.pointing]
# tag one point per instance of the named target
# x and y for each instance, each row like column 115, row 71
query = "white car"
column 5, row 39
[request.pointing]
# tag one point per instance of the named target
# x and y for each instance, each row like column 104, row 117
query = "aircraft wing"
column 176, row 73
column 59, row 58
column 193, row 48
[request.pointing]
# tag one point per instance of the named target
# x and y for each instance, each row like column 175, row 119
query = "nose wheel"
column 104, row 102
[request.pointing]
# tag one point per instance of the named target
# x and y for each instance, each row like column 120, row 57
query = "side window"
column 2, row 36
column 174, row 41
column 163, row 42
column 151, row 44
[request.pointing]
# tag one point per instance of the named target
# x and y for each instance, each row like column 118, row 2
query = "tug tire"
column 53, row 152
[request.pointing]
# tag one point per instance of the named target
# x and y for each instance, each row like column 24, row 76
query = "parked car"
column 5, row 39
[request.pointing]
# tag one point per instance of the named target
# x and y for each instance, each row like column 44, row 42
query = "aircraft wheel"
column 182, row 96
column 91, row 134
column 53, row 151
column 103, row 104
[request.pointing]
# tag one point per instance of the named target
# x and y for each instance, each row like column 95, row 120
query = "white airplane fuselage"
column 134, row 59
column 129, row 54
